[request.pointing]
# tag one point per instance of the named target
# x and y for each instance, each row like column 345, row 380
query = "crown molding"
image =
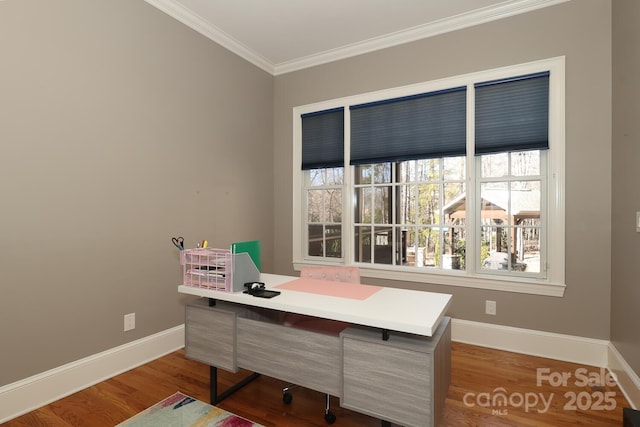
column 202, row 26
column 465, row 20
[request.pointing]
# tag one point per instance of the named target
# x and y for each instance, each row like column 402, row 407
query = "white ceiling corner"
column 202, row 25
column 281, row 36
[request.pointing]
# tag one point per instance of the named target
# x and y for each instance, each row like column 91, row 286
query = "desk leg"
column 213, row 384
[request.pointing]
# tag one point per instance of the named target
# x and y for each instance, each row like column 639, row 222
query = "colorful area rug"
column 180, row 410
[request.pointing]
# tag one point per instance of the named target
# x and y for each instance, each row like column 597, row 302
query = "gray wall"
column 581, row 30
column 119, row 128
column 626, row 175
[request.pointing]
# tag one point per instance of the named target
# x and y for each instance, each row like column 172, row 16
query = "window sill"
column 451, row 279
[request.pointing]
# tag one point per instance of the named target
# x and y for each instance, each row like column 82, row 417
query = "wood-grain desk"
column 394, row 363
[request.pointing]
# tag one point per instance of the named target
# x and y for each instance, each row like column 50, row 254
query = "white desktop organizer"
column 217, row 269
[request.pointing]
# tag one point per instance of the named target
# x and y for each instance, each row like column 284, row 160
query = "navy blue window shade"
column 323, row 139
column 426, row 125
column 512, row 114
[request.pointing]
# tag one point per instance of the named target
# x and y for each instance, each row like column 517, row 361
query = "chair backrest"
column 332, row 274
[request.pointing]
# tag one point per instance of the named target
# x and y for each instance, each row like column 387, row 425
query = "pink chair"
column 331, row 327
column 332, row 274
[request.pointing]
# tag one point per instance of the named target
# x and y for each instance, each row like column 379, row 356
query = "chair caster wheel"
column 287, row 397
column 330, row 418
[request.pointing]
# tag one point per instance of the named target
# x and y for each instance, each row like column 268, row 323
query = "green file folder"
column 252, row 248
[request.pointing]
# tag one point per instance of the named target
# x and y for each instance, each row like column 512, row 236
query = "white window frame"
column 552, row 285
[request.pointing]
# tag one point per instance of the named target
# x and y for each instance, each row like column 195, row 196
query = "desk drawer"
column 210, row 335
column 306, row 358
column 403, row 380
column 388, row 382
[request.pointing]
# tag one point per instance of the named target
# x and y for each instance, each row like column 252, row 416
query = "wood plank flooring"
column 479, row 376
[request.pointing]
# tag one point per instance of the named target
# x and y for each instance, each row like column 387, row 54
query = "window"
column 454, row 182
column 511, row 187
column 324, row 212
column 400, row 213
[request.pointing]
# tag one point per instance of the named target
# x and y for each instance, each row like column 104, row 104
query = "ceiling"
column 280, row 36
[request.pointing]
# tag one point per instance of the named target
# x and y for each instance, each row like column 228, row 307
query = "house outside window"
column 456, row 182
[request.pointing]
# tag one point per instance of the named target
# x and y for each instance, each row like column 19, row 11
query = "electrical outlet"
column 490, row 307
column 129, row 321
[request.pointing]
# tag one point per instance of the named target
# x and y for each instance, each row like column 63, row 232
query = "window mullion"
column 396, row 250
column 372, row 221
column 472, row 219
column 348, row 196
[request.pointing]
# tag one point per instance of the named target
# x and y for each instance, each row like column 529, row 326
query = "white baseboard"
column 31, row 393
column 627, row 379
column 586, row 351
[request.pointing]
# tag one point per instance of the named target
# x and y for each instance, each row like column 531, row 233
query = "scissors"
column 178, row 242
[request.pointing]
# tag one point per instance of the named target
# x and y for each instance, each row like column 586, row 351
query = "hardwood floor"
column 478, row 377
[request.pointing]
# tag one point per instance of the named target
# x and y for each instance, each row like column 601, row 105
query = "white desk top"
column 394, row 309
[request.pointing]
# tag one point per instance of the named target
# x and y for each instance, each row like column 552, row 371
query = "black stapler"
column 257, row 290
